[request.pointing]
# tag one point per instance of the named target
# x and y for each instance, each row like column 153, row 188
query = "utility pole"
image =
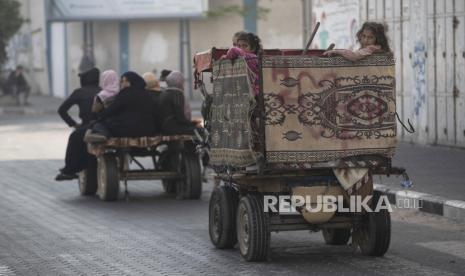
column 306, row 21
column 250, row 17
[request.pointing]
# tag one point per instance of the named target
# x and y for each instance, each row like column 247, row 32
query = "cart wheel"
column 374, row 233
column 168, row 161
column 88, row 178
column 108, row 177
column 336, row 236
column 192, row 182
column 253, row 232
column 222, row 217
column 169, row 186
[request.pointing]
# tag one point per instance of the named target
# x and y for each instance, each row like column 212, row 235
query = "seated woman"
column 153, row 87
column 172, row 110
column 130, row 115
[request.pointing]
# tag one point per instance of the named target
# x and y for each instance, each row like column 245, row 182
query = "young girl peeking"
column 372, row 39
column 248, row 46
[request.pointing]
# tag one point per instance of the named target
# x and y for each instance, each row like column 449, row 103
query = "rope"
column 410, row 129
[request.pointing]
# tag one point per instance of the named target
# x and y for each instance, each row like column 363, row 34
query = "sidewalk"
column 438, row 175
column 433, row 169
column 38, row 105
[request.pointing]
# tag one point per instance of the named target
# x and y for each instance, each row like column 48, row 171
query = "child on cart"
column 372, row 39
column 248, row 45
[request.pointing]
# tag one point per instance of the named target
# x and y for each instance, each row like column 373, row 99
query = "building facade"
column 145, row 44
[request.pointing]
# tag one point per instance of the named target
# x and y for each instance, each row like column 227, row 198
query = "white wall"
column 58, row 59
column 27, row 47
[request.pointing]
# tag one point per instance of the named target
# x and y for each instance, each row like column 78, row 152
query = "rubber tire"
column 169, row 186
column 192, row 182
column 254, row 248
column 377, row 232
column 108, row 177
column 222, row 209
column 88, row 182
column 336, row 236
column 169, row 162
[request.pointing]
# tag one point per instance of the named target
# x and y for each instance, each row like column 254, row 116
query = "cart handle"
column 311, row 38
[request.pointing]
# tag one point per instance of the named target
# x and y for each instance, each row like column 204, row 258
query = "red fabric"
column 203, row 61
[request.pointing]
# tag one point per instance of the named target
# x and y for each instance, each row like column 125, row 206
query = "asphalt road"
column 436, row 170
column 46, row 228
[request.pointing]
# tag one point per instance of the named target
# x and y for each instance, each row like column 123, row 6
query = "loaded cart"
column 319, row 128
column 175, row 163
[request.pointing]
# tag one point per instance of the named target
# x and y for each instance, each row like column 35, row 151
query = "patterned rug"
column 322, row 109
column 230, row 115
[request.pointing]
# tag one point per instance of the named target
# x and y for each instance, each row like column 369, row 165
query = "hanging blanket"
column 230, row 114
column 322, row 109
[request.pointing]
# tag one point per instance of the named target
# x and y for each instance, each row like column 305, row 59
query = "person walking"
column 18, row 85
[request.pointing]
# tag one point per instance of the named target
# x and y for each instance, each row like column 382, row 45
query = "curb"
column 452, row 209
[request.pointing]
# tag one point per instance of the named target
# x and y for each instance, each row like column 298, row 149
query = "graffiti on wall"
column 419, row 39
column 335, row 24
column 419, row 68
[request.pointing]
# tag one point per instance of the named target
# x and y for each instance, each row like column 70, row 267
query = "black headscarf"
column 89, row 77
column 134, row 79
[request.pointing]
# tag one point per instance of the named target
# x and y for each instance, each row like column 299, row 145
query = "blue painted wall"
column 123, row 47
column 250, row 17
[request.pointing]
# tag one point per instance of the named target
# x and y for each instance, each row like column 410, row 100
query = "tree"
column 221, row 11
column 10, row 22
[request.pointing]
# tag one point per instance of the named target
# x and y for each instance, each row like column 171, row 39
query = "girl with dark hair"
column 248, row 46
column 236, row 35
column 372, row 39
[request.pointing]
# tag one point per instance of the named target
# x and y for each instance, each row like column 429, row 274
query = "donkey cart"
column 318, row 128
column 175, row 163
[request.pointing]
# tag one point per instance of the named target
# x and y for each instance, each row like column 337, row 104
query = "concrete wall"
column 282, row 27
column 27, row 47
column 74, row 35
column 155, row 44
column 106, row 48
